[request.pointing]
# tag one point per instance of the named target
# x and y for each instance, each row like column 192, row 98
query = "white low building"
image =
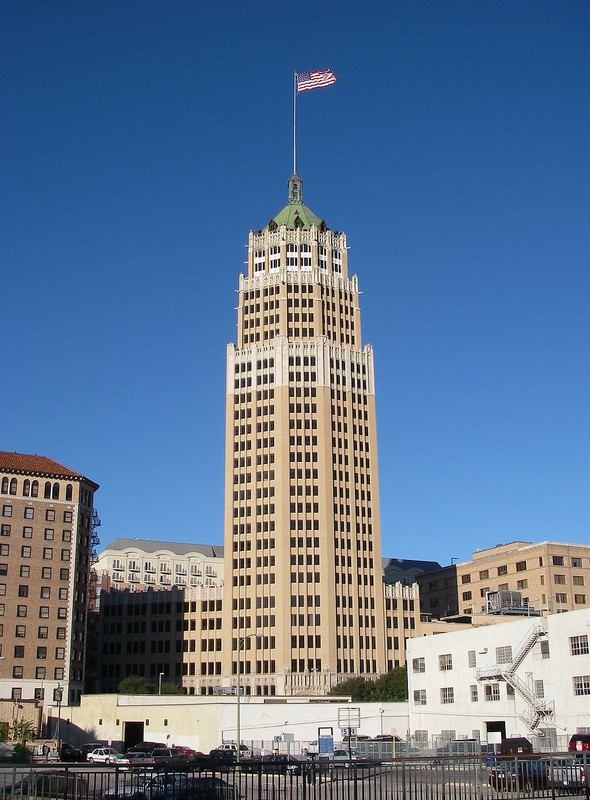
column 526, row 677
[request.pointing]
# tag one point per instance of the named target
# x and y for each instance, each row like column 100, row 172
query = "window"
column 465, row 578
column 579, row 645
column 62, row 613
column 42, row 652
column 560, row 579
column 60, row 633
column 560, row 597
column 520, row 566
column 20, row 632
column 473, row 693
column 581, row 685
column 557, row 561
column 445, row 662
column 19, row 651
column 419, row 697
column 492, row 692
column 578, row 580
column 6, row 511
column 4, row 549
column 50, row 515
column 447, row 695
column 17, row 672
column 471, row 660
column 418, row 665
column 23, row 590
column 466, row 596
column 46, row 573
column 503, row 570
column 21, row 611
column 576, row 561
column 45, row 592
column 42, row 632
column 67, row 516
column 484, row 574
column 60, row 653
column 43, row 612
column 5, row 530
column 524, row 584
column 29, row 513
column 504, row 655
column 27, row 532
column 2, row 588
column 580, row 599
column 40, row 676
column 539, row 688
column 25, row 571
column 58, row 674
column 25, row 551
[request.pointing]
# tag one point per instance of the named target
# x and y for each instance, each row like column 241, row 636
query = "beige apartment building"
column 46, row 542
column 544, row 576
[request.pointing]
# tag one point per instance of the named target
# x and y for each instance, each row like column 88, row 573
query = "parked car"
column 579, row 742
column 68, row 752
column 459, row 747
column 220, row 758
column 567, row 773
column 244, row 751
column 108, row 755
column 519, row 775
column 172, row 786
column 88, row 747
column 49, row 784
column 172, row 757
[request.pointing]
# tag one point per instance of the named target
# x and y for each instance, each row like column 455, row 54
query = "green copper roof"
column 295, row 214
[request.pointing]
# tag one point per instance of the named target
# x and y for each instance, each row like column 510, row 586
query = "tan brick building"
column 303, row 597
column 548, row 576
column 45, row 545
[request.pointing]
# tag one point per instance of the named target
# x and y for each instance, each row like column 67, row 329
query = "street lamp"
column 241, row 643
column 58, row 696
column 160, row 676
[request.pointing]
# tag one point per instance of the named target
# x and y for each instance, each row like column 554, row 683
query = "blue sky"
column 141, row 142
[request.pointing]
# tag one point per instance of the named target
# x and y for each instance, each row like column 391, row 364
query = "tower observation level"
column 303, row 596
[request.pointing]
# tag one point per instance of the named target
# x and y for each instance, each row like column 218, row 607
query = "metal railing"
column 319, row 778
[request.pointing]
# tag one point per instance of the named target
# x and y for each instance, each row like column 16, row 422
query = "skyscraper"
column 303, row 598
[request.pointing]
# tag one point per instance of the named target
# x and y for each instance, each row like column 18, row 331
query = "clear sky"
column 141, row 141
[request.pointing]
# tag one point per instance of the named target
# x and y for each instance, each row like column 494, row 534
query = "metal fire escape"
column 538, row 708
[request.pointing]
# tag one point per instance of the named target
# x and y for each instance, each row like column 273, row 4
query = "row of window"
column 51, row 491
column 521, row 566
column 29, row 513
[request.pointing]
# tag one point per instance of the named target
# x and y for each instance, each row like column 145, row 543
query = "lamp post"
column 160, row 676
column 241, row 642
column 58, row 696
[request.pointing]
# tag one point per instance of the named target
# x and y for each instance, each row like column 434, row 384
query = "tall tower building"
column 303, row 599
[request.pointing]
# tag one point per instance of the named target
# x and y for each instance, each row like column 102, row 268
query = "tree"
column 136, row 684
column 359, row 689
column 170, row 688
column 388, row 688
column 392, row 687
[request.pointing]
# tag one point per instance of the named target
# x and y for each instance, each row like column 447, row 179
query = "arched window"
column 35, row 489
column 4, row 485
column 69, row 491
column 55, row 492
column 26, row 487
column 13, row 486
column 47, row 491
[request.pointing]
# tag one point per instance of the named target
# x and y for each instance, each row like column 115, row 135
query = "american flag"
column 315, row 80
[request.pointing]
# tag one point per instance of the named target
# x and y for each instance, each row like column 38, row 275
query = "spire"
column 295, row 214
column 295, row 189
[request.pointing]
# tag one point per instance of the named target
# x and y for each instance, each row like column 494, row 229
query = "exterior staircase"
column 538, row 709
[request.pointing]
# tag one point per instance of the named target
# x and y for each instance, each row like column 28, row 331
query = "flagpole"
column 294, row 122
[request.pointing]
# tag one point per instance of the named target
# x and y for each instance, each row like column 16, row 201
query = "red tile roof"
column 21, row 462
